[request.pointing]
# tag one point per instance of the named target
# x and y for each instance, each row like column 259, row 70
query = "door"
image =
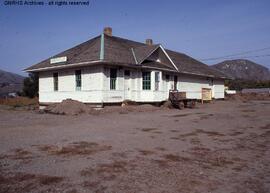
column 127, row 85
column 175, row 80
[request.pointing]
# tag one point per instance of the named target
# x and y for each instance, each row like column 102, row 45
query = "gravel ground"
column 220, row 147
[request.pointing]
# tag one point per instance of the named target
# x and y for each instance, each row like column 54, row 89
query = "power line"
column 245, row 57
column 238, row 54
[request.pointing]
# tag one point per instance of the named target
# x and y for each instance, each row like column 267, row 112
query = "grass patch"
column 181, row 115
column 19, row 101
column 175, row 138
column 208, row 158
column 195, row 141
column 210, row 133
column 248, row 110
column 157, row 132
column 48, row 180
column 87, row 172
column 146, row 152
column 105, row 172
column 18, row 154
column 206, row 116
column 266, row 127
column 162, row 163
column 91, row 184
column 76, row 148
column 201, row 131
column 160, row 148
column 174, row 158
column 236, row 133
column 149, row 129
column 193, row 133
column 25, row 182
column 112, row 168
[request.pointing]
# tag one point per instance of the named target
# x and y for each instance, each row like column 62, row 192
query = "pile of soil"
column 248, row 96
column 168, row 104
column 69, row 107
column 73, row 107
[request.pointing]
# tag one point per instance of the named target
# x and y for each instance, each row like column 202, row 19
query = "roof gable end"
column 158, row 54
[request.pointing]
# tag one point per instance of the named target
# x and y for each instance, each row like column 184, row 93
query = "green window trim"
column 113, row 77
column 146, row 80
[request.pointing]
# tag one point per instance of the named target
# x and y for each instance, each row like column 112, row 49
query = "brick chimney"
column 149, row 42
column 107, row 31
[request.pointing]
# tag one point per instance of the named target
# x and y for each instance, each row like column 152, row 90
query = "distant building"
column 109, row 69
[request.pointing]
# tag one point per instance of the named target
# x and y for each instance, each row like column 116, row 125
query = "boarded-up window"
column 157, row 79
column 127, row 73
column 146, row 80
column 175, row 80
column 167, row 77
column 78, row 79
column 55, row 81
column 113, row 76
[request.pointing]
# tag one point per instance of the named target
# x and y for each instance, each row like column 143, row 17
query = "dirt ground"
column 219, row 147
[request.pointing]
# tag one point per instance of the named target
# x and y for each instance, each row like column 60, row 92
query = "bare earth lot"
column 219, row 147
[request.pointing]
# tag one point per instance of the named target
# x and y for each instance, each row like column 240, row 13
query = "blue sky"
column 199, row 28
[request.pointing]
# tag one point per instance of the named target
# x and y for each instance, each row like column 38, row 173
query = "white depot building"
column 109, row 69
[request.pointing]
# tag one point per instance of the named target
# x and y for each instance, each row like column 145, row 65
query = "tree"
column 30, row 85
column 239, row 84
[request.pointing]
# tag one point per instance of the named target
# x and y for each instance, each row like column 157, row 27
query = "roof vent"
column 107, row 31
column 149, row 42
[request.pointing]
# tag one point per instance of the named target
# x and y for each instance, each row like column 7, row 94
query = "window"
column 113, row 75
column 127, row 73
column 55, row 81
column 175, row 80
column 78, row 79
column 157, row 80
column 167, row 77
column 146, row 80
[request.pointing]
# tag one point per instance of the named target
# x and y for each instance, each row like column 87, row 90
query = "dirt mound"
column 167, row 104
column 248, row 96
column 69, row 107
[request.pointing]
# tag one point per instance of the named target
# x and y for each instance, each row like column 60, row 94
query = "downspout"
column 101, row 56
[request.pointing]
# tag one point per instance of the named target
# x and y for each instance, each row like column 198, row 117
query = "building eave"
column 63, row 66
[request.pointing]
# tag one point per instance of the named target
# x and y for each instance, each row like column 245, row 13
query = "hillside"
column 10, row 82
column 243, row 69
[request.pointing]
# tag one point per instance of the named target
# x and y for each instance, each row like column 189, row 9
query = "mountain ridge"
column 10, row 82
column 243, row 69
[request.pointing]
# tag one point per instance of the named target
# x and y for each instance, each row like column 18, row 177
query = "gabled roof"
column 85, row 52
column 119, row 51
column 188, row 65
column 141, row 52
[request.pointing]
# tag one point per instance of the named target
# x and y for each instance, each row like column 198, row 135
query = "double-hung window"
column 55, row 81
column 78, row 79
column 113, row 76
column 146, row 80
